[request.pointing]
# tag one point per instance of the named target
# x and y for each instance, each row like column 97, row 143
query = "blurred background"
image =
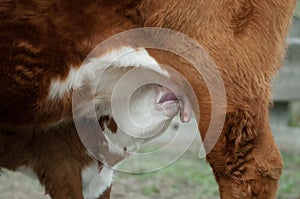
column 191, row 177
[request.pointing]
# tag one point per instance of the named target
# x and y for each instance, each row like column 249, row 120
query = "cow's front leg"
column 246, row 161
column 106, row 194
column 61, row 181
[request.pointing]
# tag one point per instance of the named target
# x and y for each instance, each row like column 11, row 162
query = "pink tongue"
column 168, row 97
column 185, row 106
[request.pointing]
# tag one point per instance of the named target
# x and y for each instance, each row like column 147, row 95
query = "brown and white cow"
column 43, row 45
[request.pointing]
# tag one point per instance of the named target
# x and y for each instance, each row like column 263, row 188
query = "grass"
column 290, row 180
column 297, row 11
column 188, row 177
column 196, row 175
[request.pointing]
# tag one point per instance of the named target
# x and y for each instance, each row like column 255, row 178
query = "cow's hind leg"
column 246, row 162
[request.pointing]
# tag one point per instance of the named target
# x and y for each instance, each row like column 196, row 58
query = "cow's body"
column 42, row 42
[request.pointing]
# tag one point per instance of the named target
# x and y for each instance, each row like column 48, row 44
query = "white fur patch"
column 123, row 57
column 145, row 121
column 27, row 171
column 58, row 87
column 119, row 142
column 94, row 181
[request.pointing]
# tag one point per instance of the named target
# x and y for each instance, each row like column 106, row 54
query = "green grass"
column 196, row 175
column 148, row 191
column 189, row 173
column 290, row 180
column 188, row 177
column 298, row 8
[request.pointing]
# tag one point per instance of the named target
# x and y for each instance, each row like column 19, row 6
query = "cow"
column 44, row 45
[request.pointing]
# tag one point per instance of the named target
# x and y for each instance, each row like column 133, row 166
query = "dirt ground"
column 173, row 182
column 188, row 178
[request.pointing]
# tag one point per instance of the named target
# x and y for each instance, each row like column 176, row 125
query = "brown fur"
column 40, row 40
column 109, row 122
